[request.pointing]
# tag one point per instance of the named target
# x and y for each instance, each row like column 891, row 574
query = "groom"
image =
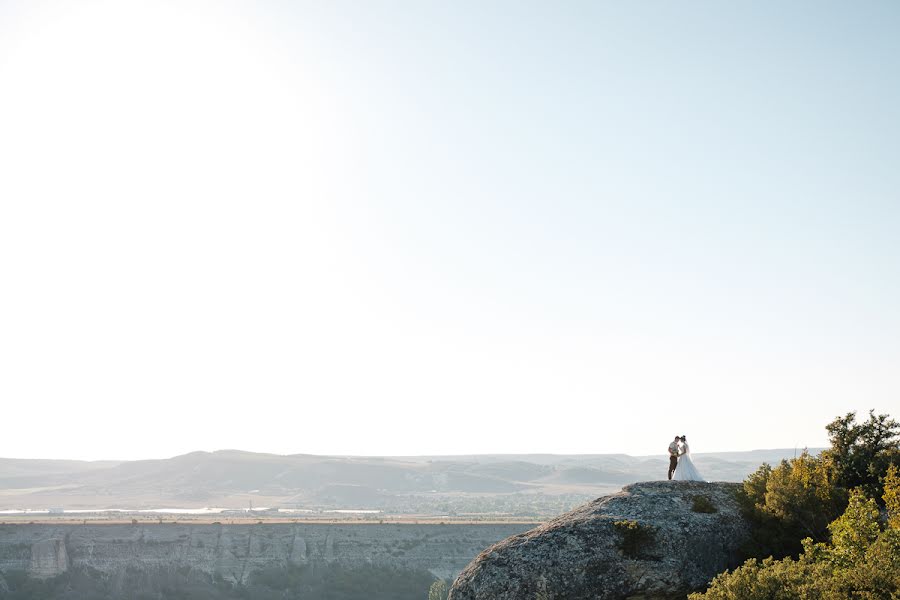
column 674, row 451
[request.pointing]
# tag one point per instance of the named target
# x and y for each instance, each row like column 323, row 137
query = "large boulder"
column 655, row 540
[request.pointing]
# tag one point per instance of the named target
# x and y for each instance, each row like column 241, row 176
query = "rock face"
column 234, row 552
column 647, row 542
column 48, row 558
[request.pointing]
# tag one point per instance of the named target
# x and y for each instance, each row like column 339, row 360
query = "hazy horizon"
column 423, row 228
column 536, row 484
column 410, row 456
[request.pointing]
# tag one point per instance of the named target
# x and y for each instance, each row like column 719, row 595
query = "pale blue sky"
column 458, row 227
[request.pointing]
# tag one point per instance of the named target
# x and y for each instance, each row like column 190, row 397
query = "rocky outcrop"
column 48, row 558
column 650, row 541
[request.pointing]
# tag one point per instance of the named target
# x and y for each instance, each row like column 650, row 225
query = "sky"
column 419, row 227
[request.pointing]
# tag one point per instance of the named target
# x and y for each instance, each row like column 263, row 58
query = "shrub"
column 892, row 496
column 635, row 538
column 702, row 504
column 438, row 590
column 863, row 561
column 787, row 503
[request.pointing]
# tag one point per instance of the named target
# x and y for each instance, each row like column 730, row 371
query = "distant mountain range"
column 526, row 484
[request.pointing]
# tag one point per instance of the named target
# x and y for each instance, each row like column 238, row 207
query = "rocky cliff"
column 657, row 540
column 235, row 551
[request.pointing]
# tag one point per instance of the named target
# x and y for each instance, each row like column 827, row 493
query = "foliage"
column 324, row 582
column 702, row 504
column 635, row 538
column 339, row 583
column 800, row 498
column 803, row 495
column 862, row 561
column 854, row 531
column 787, row 503
column 892, row 496
column 438, row 590
column 89, row 584
column 861, row 453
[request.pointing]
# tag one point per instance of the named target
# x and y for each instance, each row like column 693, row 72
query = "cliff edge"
column 235, row 552
column 654, row 540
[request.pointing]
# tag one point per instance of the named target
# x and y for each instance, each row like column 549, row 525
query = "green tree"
column 755, row 486
column 892, row 496
column 803, row 495
column 854, row 531
column 862, row 561
column 848, row 552
column 787, row 503
column 862, row 452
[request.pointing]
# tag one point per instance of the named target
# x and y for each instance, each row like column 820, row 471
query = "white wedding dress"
column 686, row 471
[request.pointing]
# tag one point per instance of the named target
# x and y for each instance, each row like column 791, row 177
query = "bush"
column 862, row 561
column 635, row 538
column 790, row 502
column 892, row 496
column 702, row 504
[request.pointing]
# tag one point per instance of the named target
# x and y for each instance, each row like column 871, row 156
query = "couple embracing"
column 680, row 462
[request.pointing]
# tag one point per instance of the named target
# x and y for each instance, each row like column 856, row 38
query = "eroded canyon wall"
column 235, row 551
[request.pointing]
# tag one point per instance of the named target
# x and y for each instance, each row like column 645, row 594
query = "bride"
column 686, row 471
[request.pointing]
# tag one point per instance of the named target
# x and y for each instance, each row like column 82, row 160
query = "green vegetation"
column 702, row 504
column 861, row 561
column 439, row 590
column 635, row 538
column 790, row 502
column 818, row 519
column 309, row 582
column 337, row 583
column 801, row 497
column 860, row 453
column 892, row 496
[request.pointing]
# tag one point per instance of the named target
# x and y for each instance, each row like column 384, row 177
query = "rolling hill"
column 512, row 484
